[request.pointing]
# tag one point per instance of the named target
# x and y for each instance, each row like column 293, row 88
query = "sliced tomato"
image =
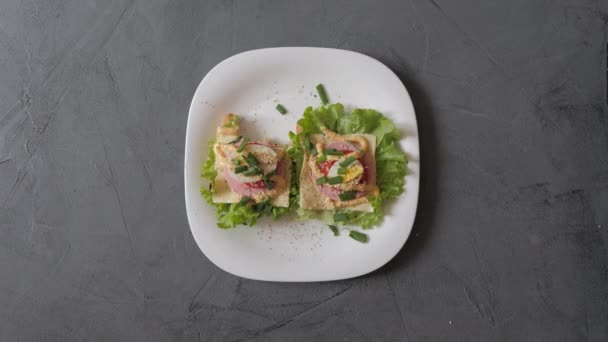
column 256, row 185
column 326, row 165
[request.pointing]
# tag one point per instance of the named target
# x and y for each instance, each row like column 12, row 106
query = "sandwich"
column 247, row 179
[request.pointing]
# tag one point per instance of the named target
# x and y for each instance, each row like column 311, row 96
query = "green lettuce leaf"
column 391, row 162
column 233, row 122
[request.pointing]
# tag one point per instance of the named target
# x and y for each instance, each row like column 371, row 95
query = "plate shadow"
column 429, row 172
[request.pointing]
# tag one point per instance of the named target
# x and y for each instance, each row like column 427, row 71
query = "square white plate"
column 251, row 84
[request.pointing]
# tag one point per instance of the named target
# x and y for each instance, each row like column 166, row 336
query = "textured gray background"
column 510, row 240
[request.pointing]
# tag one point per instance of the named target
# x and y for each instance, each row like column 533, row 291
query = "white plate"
column 250, row 84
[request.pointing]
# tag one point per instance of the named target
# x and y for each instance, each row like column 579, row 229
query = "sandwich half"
column 247, row 179
column 348, row 163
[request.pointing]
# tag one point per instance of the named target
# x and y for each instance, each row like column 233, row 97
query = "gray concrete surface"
column 510, row 240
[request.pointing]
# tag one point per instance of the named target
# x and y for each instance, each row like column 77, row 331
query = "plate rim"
column 309, row 50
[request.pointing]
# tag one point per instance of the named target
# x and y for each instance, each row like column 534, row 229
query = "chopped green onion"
column 281, row 109
column 334, row 180
column 236, row 162
column 244, row 200
column 333, row 152
column 314, row 151
column 358, row 236
column 264, row 206
column 347, row 195
column 243, row 144
column 240, row 169
column 270, row 174
column 334, row 229
column 341, row 171
column 252, row 160
column 322, row 158
column 347, row 161
column 291, row 135
column 321, row 180
column 322, row 93
column 252, row 172
column 269, row 184
column 340, row 217
column 307, row 142
column 236, row 140
column 233, row 121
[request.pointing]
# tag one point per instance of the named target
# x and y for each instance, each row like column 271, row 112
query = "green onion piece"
column 236, row 140
column 252, row 172
column 244, row 200
column 240, row 169
column 322, row 94
column 321, row 180
column 307, row 142
column 233, row 122
column 252, row 160
column 347, row 195
column 334, row 180
column 334, row 229
column 341, row 171
column 291, row 135
column 243, row 144
column 340, row 217
column 270, row 174
column 358, row 236
column 321, row 158
column 281, row 109
column 314, row 151
column 347, row 161
column 264, row 206
column 236, row 162
column 333, row 152
column 269, row 184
